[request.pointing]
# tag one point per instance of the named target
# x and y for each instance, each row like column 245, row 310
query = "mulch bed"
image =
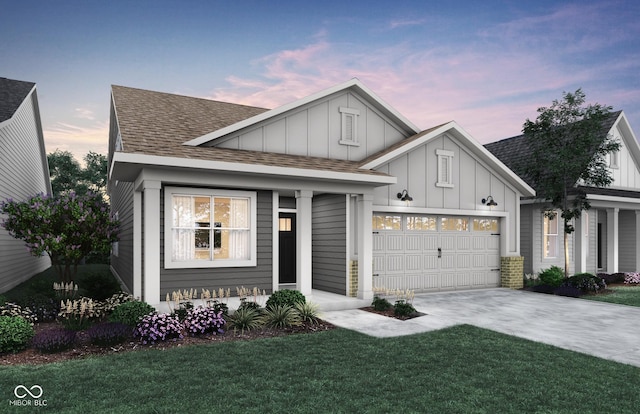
column 389, row 313
column 84, row 349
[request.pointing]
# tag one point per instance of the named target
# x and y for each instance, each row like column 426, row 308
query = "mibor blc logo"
column 28, row 397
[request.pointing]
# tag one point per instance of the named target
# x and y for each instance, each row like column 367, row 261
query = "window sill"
column 349, row 143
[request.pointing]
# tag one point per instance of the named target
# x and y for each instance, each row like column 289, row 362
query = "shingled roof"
column 12, row 94
column 515, row 151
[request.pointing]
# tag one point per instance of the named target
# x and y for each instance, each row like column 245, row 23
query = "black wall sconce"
column 489, row 201
column 404, row 196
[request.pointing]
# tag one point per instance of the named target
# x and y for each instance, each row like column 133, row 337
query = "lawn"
column 463, row 369
column 622, row 295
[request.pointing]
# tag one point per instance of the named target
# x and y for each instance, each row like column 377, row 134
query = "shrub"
column 246, row 319
column 44, row 308
column 585, row 282
column 158, row 327
column 309, row 312
column 553, row 276
column 182, row 310
column 203, row 320
column 54, row 340
column 285, row 297
column 281, row 316
column 218, row 306
column 250, row 305
column 3, row 300
column 632, row 278
column 130, row 313
column 98, row 285
column 15, row 333
column 612, row 278
column 403, row 309
column 380, row 304
column 109, row 333
column 543, row 289
column 13, row 309
column 570, row 291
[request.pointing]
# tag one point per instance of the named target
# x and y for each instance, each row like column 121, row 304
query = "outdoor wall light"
column 404, row 196
column 489, row 201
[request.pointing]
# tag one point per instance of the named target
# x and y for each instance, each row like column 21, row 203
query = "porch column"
column 365, row 247
column 612, row 240
column 581, row 244
column 151, row 248
column 304, row 267
column 137, row 244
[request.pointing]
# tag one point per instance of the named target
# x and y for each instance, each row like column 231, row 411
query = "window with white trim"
column 445, row 168
column 209, row 228
column 550, row 236
column 349, row 126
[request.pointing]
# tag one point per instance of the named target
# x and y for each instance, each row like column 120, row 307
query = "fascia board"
column 159, row 161
column 372, row 97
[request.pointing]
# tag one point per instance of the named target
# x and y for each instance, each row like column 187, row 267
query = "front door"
column 287, row 231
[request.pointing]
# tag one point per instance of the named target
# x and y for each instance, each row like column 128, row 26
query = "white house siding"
column 329, row 243
column 23, row 173
column 122, row 203
column 315, row 130
column 627, row 174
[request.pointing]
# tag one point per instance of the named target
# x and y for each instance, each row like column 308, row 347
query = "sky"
column 488, row 65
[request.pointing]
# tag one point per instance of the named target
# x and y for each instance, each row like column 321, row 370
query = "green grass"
column 623, row 295
column 462, row 369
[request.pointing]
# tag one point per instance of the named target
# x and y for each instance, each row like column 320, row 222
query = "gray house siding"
column 23, row 173
column 329, row 243
column 259, row 276
column 627, row 241
column 122, row 203
column 526, row 237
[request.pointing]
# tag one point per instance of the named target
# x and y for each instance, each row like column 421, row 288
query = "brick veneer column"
column 512, row 272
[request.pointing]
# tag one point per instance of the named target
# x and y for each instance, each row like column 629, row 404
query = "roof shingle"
column 12, row 94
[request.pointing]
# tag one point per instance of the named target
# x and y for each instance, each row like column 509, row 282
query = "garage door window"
column 485, row 225
column 454, row 224
column 421, row 223
column 387, row 222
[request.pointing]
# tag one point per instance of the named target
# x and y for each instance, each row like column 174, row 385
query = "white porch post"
column 612, row 240
column 151, row 242
column 581, row 244
column 275, row 258
column 304, row 267
column 365, row 247
column 137, row 244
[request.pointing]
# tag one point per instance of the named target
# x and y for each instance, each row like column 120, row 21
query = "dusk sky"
column 486, row 64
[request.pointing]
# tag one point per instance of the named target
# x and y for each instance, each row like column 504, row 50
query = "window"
column 454, row 224
column 349, row 126
column 284, row 224
column 550, row 236
column 386, row 222
column 423, row 223
column 614, row 159
column 485, row 225
column 445, row 168
column 209, row 228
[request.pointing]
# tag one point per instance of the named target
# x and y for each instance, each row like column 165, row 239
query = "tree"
column 67, row 175
column 67, row 227
column 569, row 146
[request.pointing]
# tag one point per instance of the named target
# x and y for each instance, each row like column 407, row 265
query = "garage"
column 435, row 253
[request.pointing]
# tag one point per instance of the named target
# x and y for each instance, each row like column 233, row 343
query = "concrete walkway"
column 595, row 328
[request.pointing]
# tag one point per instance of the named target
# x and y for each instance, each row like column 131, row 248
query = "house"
column 607, row 236
column 336, row 192
column 24, row 172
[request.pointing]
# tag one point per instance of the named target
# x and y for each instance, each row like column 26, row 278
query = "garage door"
column 432, row 253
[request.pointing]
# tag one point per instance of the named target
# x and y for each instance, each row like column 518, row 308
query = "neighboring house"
column 24, row 172
column 607, row 236
column 336, row 192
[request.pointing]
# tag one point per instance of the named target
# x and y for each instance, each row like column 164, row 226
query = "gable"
column 625, row 166
column 12, row 94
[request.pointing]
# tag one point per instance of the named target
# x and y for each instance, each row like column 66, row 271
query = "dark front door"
column 287, row 227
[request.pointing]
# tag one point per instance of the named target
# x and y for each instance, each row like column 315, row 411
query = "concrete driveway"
column 595, row 328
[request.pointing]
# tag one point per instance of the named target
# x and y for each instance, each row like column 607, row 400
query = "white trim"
column 439, row 211
column 353, row 83
column 196, row 264
column 275, row 240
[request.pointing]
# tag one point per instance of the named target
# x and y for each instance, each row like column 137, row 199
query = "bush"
column 109, row 333
column 570, row 291
column 182, row 310
column 285, row 297
column 403, row 309
column 632, row 278
column 250, row 305
column 612, row 278
column 246, row 319
column 44, row 308
column 13, row 309
column 130, row 313
column 380, row 304
column 54, row 340
column 218, row 306
column 554, row 276
column 15, row 333
column 281, row 316
column 585, row 282
column 98, row 285
column 3, row 300
column 543, row 289
column 308, row 312
column 202, row 320
column 158, row 327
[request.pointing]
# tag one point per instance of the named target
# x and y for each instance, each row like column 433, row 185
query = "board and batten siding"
column 23, row 174
column 329, row 243
column 122, row 203
column 315, row 130
column 626, row 174
column 259, row 276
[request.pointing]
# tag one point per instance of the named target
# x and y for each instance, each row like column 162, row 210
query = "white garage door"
column 432, row 253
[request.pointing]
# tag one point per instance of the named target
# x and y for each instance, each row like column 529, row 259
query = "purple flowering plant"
column 158, row 327
column 66, row 227
column 203, row 320
column 632, row 278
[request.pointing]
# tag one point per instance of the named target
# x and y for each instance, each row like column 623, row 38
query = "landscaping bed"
column 391, row 313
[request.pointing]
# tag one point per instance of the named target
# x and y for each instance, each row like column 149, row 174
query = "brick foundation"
column 512, row 272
